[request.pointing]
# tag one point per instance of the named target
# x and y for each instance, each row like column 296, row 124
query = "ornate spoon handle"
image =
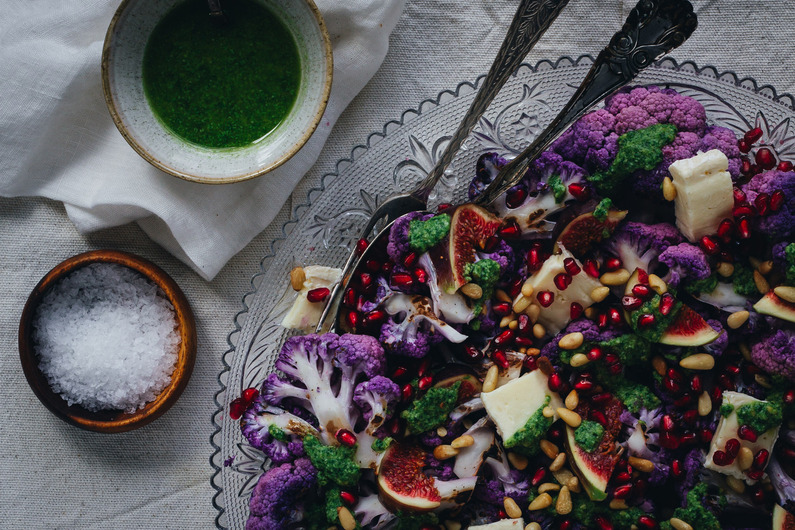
column 532, row 19
column 653, row 28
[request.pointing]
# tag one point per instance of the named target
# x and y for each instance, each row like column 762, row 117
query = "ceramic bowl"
column 122, row 60
column 109, row 421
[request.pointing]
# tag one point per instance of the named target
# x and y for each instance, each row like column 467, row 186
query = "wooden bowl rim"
column 110, row 421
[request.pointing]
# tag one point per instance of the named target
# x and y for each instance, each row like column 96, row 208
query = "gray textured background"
column 55, row 476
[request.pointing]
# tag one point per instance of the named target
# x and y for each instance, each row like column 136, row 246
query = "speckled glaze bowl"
column 122, row 60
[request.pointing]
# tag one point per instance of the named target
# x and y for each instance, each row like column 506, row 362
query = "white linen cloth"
column 57, row 139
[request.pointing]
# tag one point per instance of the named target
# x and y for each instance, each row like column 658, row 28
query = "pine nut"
column 504, row 321
column 761, row 283
column 571, row 341
column 725, row 269
column 600, row 293
column 541, row 502
column 511, row 508
column 785, row 292
column 523, row 350
column 763, row 380
column 737, row 319
column 558, row 463
column 579, row 359
column 297, row 278
column 745, row 350
column 704, row 404
column 699, row 361
column 513, row 324
column 527, row 288
column 346, row 518
column 641, row 464
column 563, row 477
column 615, row 278
column 745, row 458
column 549, row 449
column 521, row 304
column 532, row 526
column 765, row 267
column 659, row 365
column 548, row 486
column 533, row 311
column 571, row 418
column 668, row 189
column 547, row 412
column 452, row 525
column 678, row 524
column 563, row 504
column 502, row 296
column 539, row 331
column 657, row 283
column 462, row 441
column 518, row 461
column 572, row 400
column 574, row 484
column 591, row 313
column 472, row 290
column 443, row 452
column 442, row 432
column 532, row 352
column 490, row 381
column 735, row 484
column 618, row 504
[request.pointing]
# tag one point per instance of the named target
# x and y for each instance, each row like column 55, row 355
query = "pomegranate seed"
column 562, row 281
column 668, row 440
column 510, row 230
column 666, row 303
column 612, row 264
column 375, row 316
column 631, row 303
column 599, row 417
column 667, row 423
column 349, row 298
column 602, row 397
column 373, row 265
column 641, row 291
column 706, row 436
column 501, row 514
column 739, row 195
column 726, row 230
column 690, row 416
column 646, row 321
column 318, row 295
column 695, row 384
column 594, row 354
column 566, row 524
column 346, row 437
column 676, row 468
column 726, row 256
column 671, row 386
column 250, row 394
column 515, row 197
column 406, row 392
column 755, row 474
column 591, row 268
column 472, row 353
column 505, row 337
column 348, row 498
column 789, row 397
column 743, row 145
column 554, row 382
column 525, row 326
column 366, row 280
column 615, row 369
column 716, row 393
column 425, row 382
column 743, row 209
column 709, row 245
column 687, row 438
column 443, row 207
column 785, row 165
column 523, row 342
column 583, row 385
column 762, row 202
column 776, row 200
column 579, row 191
column 683, row 401
column 758, row 496
column 732, row 448
column 545, row 298
column 502, row 309
column 410, row 260
column 399, row 372
column 753, row 135
column 575, row 310
column 615, row 316
column 387, row 267
column 643, row 277
column 647, row 522
column 530, row 363
column 516, row 287
column 765, row 159
column 422, row 369
column 760, row 459
column 603, row 523
column 352, row 319
column 401, row 279
column 675, row 374
column 237, row 408
column 571, row 266
column 498, row 356
column 394, row 427
column 533, row 259
column 744, row 228
column 420, row 275
column 361, row 246
column 745, row 166
column 538, row 476
column 491, row 244
column 622, row 492
column 602, row 320
column 611, row 358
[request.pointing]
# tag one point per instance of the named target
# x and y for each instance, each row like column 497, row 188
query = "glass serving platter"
column 324, row 228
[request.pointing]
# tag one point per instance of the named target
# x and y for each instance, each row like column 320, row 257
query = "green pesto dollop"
column 589, row 435
column 635, row 396
column 695, row 513
column 789, row 257
column 334, row 464
column 380, row 445
column 726, row 409
column 641, row 149
column 526, row 439
column 651, row 306
column 424, row 235
column 221, row 86
column 743, row 280
column 485, row 273
column 559, row 190
column 432, row 409
column 760, row 416
column 277, row 433
column 602, row 209
column 707, row 285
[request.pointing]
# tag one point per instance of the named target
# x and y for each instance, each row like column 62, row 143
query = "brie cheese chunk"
column 303, row 314
column 704, row 194
column 502, row 524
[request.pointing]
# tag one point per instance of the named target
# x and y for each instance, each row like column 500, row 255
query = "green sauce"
column 224, row 86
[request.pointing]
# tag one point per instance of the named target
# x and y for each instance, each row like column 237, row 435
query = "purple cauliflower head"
column 274, row 432
column 412, row 327
column 639, row 245
column 398, row 246
column 280, row 495
column 592, row 142
column 775, row 353
column 684, row 261
column 377, row 399
column 779, row 224
column 640, row 107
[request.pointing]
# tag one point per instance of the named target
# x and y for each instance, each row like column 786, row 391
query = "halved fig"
column 782, row 519
column 688, row 329
column 775, row 306
column 453, row 373
column 586, row 230
column 403, row 486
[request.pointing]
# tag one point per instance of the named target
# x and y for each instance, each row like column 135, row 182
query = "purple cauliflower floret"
column 412, row 327
column 692, row 463
column 639, row 107
column 376, row 398
column 398, row 246
column 724, row 140
column 501, row 482
column 775, row 353
column 591, row 142
column 256, row 425
column 719, row 345
column 639, row 245
column 780, row 224
column 504, row 256
column 441, row 469
column 487, row 167
column 280, row 494
column 684, row 261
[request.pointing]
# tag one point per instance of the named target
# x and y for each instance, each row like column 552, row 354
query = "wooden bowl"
column 109, row 420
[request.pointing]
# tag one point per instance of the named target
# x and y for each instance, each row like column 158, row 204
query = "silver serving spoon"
column 653, row 28
column 531, row 20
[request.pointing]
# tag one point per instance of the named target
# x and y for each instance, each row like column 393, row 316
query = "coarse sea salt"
column 106, row 338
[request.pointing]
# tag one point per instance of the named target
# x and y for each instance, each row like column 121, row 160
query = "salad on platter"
column 612, row 346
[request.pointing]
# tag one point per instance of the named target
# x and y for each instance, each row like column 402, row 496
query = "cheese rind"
column 303, row 314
